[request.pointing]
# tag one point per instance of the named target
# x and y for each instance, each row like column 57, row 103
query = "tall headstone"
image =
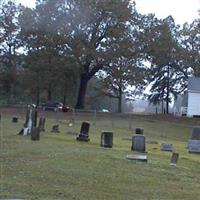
column 84, row 132
column 107, row 139
column 41, row 124
column 31, row 120
column 35, row 133
column 138, row 143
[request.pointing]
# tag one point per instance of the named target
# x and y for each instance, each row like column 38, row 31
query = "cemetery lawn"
column 59, row 167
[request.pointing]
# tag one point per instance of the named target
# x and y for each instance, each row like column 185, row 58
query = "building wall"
column 193, row 104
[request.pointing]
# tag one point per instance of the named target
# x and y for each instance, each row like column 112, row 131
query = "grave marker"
column 55, row 129
column 195, row 133
column 42, row 123
column 15, row 119
column 35, row 133
column 174, row 158
column 138, row 143
column 194, row 146
column 137, row 157
column 166, row 147
column 139, row 131
column 107, row 139
column 84, row 132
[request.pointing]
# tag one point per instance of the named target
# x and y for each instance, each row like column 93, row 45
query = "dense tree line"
column 59, row 48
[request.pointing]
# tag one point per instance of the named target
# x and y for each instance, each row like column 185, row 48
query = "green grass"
column 59, row 167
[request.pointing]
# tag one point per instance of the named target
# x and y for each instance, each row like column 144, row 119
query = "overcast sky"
column 181, row 10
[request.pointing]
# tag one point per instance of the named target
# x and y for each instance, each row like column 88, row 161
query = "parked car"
column 54, row 106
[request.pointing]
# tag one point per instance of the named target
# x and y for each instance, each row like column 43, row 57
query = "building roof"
column 194, row 84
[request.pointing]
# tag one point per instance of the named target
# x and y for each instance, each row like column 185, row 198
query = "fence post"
column 94, row 117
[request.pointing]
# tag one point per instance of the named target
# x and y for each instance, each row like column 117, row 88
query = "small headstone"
column 84, row 132
column 194, row 146
column 195, row 133
column 42, row 124
column 174, row 158
column 151, row 142
column 139, row 131
column 107, row 139
column 137, row 157
column 138, row 143
column 35, row 133
column 166, row 147
column 55, row 129
column 15, row 119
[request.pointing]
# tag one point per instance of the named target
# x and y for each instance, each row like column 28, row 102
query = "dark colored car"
column 54, row 106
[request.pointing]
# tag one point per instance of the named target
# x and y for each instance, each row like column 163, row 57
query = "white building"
column 189, row 103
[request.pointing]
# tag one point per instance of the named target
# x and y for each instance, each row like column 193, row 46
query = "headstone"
column 166, row 147
column 174, row 158
column 138, row 143
column 15, row 119
column 107, row 139
column 31, row 120
column 84, row 132
column 139, row 131
column 35, row 133
column 42, row 124
column 195, row 133
column 194, row 146
column 137, row 157
column 55, row 129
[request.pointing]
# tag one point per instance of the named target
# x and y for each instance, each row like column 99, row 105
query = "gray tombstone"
column 194, row 146
column 195, row 133
column 166, row 147
column 138, row 143
column 174, row 158
column 55, row 129
column 42, row 124
column 84, row 132
column 35, row 133
column 107, row 139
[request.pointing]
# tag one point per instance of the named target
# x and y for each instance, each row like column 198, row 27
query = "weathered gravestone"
column 195, row 133
column 137, row 157
column 138, row 143
column 31, row 120
column 35, row 133
column 55, row 129
column 194, row 146
column 15, row 119
column 174, row 158
column 166, row 147
column 84, row 132
column 42, row 124
column 139, row 131
column 107, row 139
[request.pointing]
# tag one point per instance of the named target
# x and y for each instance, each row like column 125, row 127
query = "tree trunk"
column 82, row 91
column 49, row 94
column 37, row 96
column 167, row 99
column 120, row 100
column 64, row 99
